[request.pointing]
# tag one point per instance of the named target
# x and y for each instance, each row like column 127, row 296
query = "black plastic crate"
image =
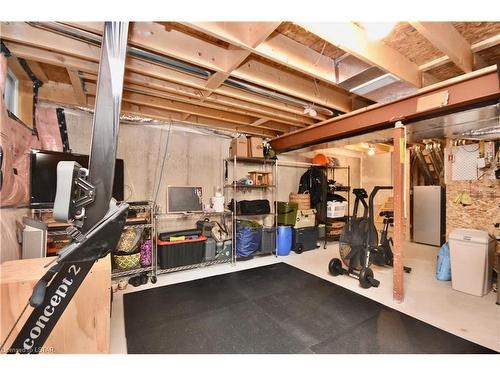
column 180, row 253
column 268, row 244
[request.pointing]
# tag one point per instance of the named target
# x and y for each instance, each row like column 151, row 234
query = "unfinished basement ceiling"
column 259, row 78
column 481, row 123
column 477, row 123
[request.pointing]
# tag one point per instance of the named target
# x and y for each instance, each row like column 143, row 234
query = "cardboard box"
column 255, row 148
column 238, row 147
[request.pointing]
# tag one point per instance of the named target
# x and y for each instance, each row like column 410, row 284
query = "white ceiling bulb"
column 371, row 151
column 378, row 30
column 309, row 110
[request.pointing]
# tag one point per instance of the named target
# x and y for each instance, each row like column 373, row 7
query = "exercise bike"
column 359, row 243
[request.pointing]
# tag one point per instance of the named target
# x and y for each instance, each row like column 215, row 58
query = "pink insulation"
column 48, row 129
column 16, row 141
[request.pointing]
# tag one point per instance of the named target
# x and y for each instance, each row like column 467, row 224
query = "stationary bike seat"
column 387, row 214
column 360, row 193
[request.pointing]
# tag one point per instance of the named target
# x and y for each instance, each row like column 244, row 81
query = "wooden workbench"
column 84, row 325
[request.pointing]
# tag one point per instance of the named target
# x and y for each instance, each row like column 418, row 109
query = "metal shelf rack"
column 330, row 173
column 161, row 217
column 150, row 224
column 266, row 165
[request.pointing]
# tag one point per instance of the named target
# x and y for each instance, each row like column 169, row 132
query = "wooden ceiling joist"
column 38, row 71
column 150, row 74
column 353, row 39
column 162, row 114
column 449, row 41
column 476, row 47
column 76, row 82
column 63, row 94
column 232, row 57
column 280, row 49
column 220, row 102
column 260, row 73
column 253, row 33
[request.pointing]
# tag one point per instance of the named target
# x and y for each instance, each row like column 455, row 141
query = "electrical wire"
column 163, row 164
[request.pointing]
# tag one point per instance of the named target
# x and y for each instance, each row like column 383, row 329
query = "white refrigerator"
column 429, row 208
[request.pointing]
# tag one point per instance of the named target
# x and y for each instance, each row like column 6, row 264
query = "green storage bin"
column 287, row 213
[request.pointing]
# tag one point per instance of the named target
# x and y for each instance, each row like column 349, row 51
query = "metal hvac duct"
column 140, row 53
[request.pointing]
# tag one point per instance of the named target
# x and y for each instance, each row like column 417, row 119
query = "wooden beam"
column 398, row 162
column 38, row 71
column 263, row 74
column 353, row 39
column 294, row 55
column 282, row 126
column 16, row 68
column 277, row 48
column 76, row 82
column 151, row 75
column 252, row 33
column 260, row 121
column 469, row 89
column 449, row 41
column 162, row 114
column 23, row 33
column 476, row 47
column 171, row 42
column 172, row 105
column 52, row 58
column 262, row 101
column 63, row 94
column 25, row 102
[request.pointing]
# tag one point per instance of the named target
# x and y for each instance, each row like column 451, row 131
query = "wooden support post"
column 398, row 161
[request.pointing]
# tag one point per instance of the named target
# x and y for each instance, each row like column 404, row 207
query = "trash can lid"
column 470, row 235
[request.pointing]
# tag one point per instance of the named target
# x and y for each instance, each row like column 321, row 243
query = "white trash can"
column 471, row 256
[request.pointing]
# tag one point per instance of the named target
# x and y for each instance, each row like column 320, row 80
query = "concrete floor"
column 474, row 318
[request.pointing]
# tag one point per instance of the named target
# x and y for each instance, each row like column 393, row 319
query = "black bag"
column 205, row 226
column 251, row 207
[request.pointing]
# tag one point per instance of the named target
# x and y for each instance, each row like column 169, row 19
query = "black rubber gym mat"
column 274, row 309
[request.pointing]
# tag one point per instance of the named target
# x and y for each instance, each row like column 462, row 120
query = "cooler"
column 304, row 239
column 471, row 255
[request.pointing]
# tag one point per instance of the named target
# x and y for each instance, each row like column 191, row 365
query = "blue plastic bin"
column 284, row 240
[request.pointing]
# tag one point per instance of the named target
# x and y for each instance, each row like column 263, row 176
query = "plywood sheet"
column 304, row 37
column 445, row 71
column 491, row 55
column 405, row 39
column 56, row 73
column 475, row 32
column 84, row 325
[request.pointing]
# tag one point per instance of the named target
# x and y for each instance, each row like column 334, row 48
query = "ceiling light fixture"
column 371, row 151
column 309, row 110
column 378, row 30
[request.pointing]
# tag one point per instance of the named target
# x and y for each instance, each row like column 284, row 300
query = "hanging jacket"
column 315, row 182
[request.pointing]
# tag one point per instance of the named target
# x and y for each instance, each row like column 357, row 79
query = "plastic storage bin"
column 268, row 244
column 180, row 253
column 287, row 213
column 335, row 209
column 471, row 255
column 209, row 249
column 284, row 242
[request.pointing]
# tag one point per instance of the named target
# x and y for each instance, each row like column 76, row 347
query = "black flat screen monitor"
column 43, row 176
